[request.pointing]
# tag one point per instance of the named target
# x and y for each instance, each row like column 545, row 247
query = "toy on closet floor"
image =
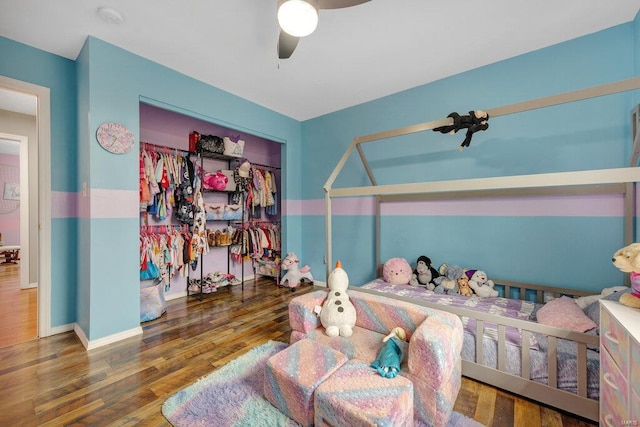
column 338, row 315
column 294, row 274
column 627, row 260
column 481, row 285
column 396, row 271
column 476, row 121
column 424, row 273
column 390, row 356
column 447, row 283
column 463, row 287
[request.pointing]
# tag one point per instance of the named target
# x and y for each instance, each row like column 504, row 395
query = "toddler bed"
column 503, row 347
column 555, row 366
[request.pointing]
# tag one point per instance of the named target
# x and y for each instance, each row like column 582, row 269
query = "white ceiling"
column 355, row 55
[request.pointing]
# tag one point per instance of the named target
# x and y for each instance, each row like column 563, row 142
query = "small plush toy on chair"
column 627, row 260
column 390, row 356
column 338, row 315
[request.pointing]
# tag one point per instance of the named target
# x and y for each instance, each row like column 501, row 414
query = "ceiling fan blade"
column 286, row 45
column 339, row 4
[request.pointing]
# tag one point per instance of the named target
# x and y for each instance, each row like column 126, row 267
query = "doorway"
column 25, row 273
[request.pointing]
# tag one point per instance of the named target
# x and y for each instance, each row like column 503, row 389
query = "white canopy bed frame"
column 605, row 181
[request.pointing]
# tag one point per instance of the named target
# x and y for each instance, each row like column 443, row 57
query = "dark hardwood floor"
column 54, row 381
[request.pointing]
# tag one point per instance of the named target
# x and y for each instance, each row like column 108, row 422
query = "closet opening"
column 229, row 248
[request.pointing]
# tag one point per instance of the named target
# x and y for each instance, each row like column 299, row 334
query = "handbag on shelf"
column 233, row 147
column 231, row 183
column 215, row 181
column 214, row 211
column 232, row 212
column 211, row 144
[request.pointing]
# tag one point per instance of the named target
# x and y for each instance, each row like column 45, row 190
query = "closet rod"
column 264, row 166
column 161, row 148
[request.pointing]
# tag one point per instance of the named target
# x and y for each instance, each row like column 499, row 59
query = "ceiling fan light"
column 298, row 18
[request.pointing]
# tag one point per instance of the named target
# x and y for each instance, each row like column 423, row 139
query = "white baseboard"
column 320, row 284
column 100, row 342
column 29, row 286
column 175, row 296
column 61, row 329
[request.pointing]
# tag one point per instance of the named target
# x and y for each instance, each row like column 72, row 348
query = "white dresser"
column 619, row 364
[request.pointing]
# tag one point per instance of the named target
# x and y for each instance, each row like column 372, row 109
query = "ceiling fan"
column 299, row 18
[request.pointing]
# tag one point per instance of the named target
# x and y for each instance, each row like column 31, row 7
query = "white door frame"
column 43, row 124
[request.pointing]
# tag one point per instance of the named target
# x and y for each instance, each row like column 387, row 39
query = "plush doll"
column 338, row 315
column 476, row 121
column 390, row 356
column 447, row 283
column 583, row 302
column 424, row 273
column 627, row 260
column 481, row 285
column 396, row 271
column 463, row 287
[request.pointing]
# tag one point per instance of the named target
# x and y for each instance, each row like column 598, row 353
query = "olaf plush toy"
column 338, row 315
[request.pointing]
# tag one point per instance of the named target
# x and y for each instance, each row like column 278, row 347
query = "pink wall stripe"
column 100, row 203
column 124, row 204
column 114, row 203
column 342, row 206
column 600, row 205
column 64, row 204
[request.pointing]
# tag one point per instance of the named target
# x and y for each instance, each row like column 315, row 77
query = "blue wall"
column 593, row 134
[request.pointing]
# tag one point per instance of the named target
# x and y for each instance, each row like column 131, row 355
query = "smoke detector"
column 110, row 16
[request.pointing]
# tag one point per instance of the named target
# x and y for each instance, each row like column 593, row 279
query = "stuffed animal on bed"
column 481, row 285
column 424, row 273
column 627, row 260
column 583, row 302
column 463, row 287
column 447, row 283
column 338, row 315
column 396, row 271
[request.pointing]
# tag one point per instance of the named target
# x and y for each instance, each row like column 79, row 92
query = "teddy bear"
column 447, row 283
column 627, row 260
column 463, row 287
column 338, row 315
column 424, row 273
column 396, row 271
column 481, row 285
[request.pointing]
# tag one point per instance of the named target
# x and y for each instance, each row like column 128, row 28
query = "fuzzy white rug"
column 232, row 396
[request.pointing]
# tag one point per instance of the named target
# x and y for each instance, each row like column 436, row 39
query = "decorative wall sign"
column 115, row 138
column 11, row 191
